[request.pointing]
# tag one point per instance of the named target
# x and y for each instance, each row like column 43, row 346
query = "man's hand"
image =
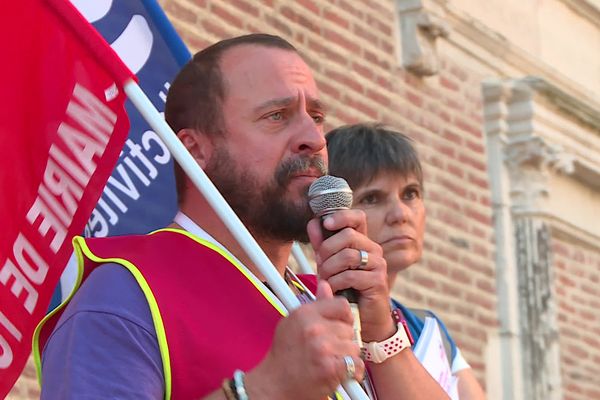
column 306, row 358
column 338, row 260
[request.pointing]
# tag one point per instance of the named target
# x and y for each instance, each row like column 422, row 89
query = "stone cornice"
column 472, row 36
column 529, row 157
column 590, row 10
column 508, row 107
column 585, row 111
column 564, row 229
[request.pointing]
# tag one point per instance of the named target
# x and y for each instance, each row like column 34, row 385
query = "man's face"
column 273, row 147
column 264, row 208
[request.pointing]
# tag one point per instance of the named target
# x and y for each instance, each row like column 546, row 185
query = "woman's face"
column 395, row 217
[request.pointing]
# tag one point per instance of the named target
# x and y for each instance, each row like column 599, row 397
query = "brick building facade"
column 503, row 99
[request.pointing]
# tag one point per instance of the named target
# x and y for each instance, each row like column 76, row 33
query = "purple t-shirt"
column 104, row 345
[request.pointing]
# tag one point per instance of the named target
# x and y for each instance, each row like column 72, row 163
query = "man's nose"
column 309, row 137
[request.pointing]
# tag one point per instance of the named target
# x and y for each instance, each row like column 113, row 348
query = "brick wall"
column 351, row 47
column 456, row 277
column 27, row 386
column 577, row 277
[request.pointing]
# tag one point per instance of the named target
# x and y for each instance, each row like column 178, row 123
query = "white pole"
column 303, row 263
column 222, row 208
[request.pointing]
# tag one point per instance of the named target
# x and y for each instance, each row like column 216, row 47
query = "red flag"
column 62, row 125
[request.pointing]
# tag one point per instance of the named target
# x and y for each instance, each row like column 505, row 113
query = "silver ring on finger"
column 350, row 367
column 364, row 259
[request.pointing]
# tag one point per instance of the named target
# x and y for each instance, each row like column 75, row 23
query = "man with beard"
column 183, row 312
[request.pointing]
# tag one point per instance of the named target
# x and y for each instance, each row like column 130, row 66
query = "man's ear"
column 198, row 144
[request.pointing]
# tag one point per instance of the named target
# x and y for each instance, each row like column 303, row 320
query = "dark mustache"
column 290, row 167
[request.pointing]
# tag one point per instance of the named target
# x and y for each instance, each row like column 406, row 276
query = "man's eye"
column 276, row 116
column 318, row 118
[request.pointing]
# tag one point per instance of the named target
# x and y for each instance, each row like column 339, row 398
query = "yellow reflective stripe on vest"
column 81, row 246
column 37, row 357
column 82, row 251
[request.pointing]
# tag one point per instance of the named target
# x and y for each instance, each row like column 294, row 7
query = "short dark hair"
column 359, row 152
column 196, row 95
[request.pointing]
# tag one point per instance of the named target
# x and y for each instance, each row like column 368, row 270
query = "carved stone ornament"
column 420, row 29
column 537, row 303
column 529, row 163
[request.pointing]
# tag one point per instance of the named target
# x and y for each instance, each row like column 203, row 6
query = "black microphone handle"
column 350, row 294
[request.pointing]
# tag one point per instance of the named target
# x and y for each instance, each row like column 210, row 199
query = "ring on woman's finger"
column 350, row 367
column 364, row 259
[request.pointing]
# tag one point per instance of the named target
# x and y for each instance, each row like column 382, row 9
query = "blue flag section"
column 140, row 195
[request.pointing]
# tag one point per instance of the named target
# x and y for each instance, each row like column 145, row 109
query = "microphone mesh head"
column 329, row 193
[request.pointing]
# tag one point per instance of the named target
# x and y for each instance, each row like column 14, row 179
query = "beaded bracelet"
column 226, row 386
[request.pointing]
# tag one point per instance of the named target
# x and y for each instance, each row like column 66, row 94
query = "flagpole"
column 222, row 208
column 300, row 257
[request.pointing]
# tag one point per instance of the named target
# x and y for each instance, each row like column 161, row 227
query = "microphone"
column 326, row 195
